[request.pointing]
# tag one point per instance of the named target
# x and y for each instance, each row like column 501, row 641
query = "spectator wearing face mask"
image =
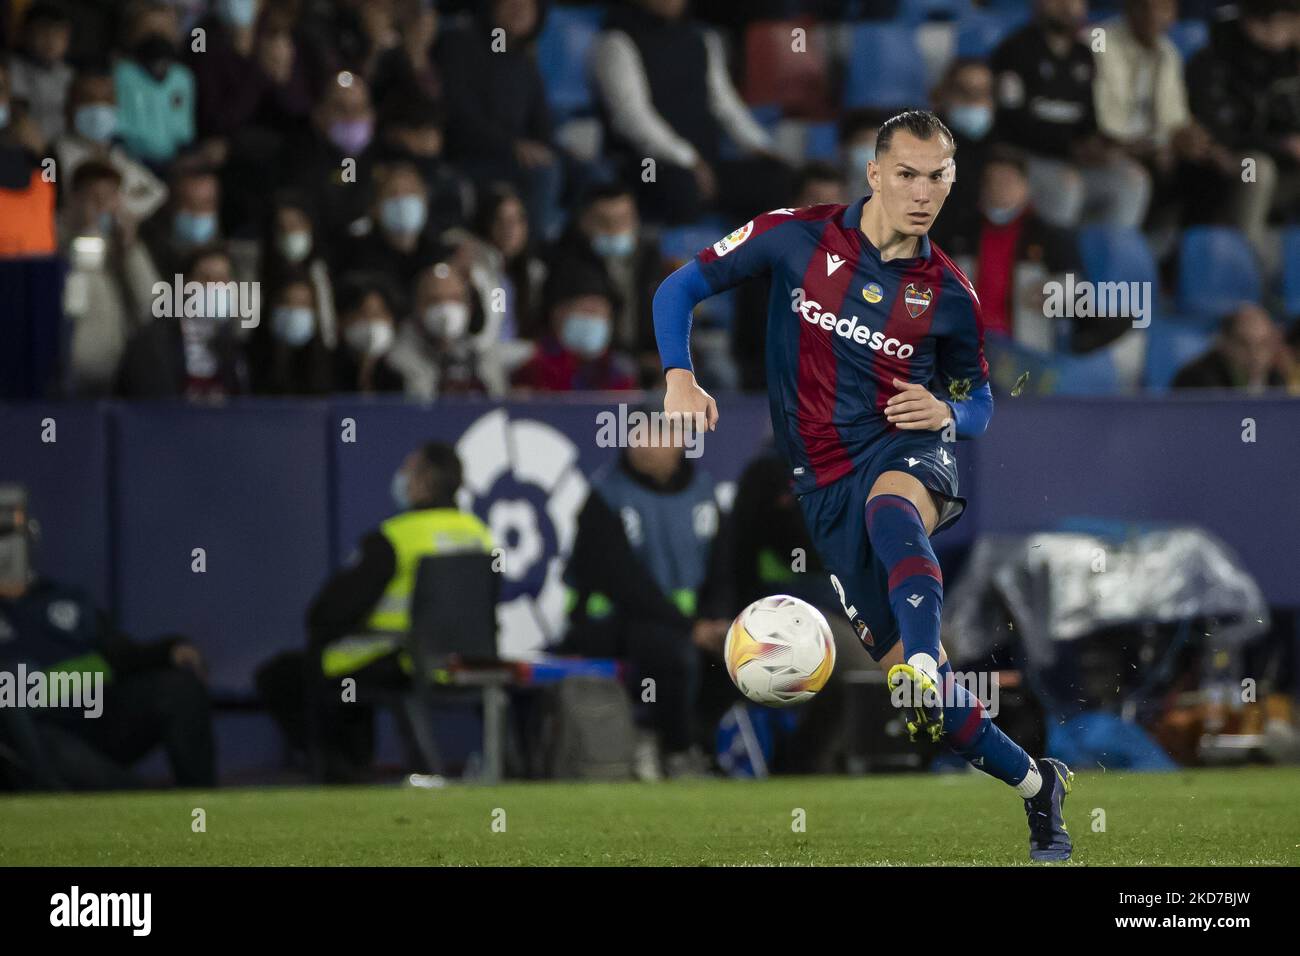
column 398, row 240
column 1011, row 252
column 964, row 101
column 198, row 356
column 1248, row 356
column 39, row 74
column 576, row 354
column 367, row 307
column 155, row 91
column 411, row 133
column 606, row 234
column 190, row 221
column 289, row 250
column 858, row 131
column 438, row 352
column 287, row 355
column 91, row 134
column 108, row 294
column 332, row 162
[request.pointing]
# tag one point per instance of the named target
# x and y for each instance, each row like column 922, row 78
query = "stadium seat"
column 1189, row 36
column 1117, row 254
column 918, row 11
column 777, row 74
column 821, row 142
column 885, row 67
column 1291, row 271
column 979, row 33
column 1216, row 271
column 563, row 55
column 1093, row 374
column 1170, row 346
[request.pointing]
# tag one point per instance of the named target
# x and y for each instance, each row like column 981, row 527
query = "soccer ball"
column 779, row 651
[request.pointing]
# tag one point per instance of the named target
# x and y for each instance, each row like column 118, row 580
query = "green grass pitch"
column 1196, row 818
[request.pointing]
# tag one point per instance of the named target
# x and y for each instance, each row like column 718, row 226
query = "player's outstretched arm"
column 674, row 301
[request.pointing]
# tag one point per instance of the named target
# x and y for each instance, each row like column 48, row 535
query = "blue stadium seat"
column 885, row 67
column 563, row 56
column 821, row 142
column 1117, row 254
column 1291, row 271
column 918, row 11
column 1091, row 374
column 1189, row 36
column 1170, row 346
column 1216, row 271
column 979, row 33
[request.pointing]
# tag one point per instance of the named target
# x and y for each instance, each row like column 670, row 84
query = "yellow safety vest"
column 414, row 535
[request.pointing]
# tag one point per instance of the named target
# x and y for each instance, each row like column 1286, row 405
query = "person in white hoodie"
column 109, row 288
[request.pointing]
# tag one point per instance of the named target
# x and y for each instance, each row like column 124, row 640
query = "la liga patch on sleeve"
column 733, row 239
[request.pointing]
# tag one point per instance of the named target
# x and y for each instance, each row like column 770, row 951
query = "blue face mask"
column 104, row 223
column 96, row 121
column 401, row 491
column 586, row 334
column 614, row 245
column 293, row 326
column 403, row 215
column 239, row 13
column 195, row 229
column 1001, row 215
column 855, row 162
column 972, row 121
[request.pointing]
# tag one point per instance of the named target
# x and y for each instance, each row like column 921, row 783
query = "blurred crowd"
column 412, row 211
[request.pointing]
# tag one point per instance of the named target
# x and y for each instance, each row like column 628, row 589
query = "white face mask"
column 293, row 325
column 294, row 246
column 446, row 320
column 374, row 337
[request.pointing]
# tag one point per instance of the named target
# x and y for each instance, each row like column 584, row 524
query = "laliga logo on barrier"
column 521, row 476
column 847, row 327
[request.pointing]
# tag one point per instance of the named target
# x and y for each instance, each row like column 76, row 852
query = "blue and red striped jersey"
column 842, row 324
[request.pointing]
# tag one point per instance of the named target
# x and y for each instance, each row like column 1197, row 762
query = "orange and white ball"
column 780, row 651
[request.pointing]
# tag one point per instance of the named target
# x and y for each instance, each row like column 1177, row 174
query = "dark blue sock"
column 969, row 731
column 900, row 543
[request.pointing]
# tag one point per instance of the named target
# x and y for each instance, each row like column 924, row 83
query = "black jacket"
column 1246, row 97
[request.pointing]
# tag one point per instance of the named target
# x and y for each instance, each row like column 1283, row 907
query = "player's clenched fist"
column 915, row 409
column 686, row 402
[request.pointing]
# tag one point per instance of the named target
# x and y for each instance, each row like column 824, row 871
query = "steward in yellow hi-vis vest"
column 363, row 612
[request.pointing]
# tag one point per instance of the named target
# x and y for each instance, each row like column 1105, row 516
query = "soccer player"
column 865, row 313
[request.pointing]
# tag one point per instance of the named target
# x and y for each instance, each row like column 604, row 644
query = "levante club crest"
column 917, row 300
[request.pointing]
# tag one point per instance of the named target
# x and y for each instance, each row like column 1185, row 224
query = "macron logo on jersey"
column 833, row 262
column 847, row 327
